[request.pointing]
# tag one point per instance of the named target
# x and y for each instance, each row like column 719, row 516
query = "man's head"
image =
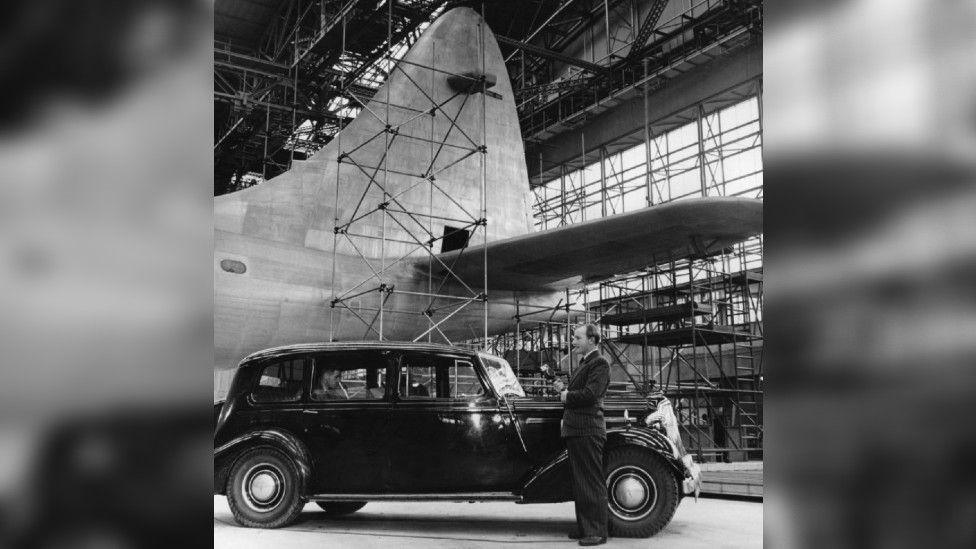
column 586, row 338
column 330, row 379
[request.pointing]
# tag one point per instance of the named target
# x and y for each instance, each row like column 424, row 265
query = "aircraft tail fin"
column 407, row 172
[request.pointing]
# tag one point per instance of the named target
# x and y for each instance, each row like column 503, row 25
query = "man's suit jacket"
column 583, row 410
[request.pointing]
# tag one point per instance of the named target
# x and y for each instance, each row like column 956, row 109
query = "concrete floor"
column 708, row 523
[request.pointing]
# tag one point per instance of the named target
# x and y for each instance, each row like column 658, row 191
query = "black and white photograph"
column 478, row 256
column 487, row 273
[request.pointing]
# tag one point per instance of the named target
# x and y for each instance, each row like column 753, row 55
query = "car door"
column 448, row 432
column 346, row 422
column 274, row 400
column 540, row 423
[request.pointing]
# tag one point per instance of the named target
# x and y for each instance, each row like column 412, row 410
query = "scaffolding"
column 538, row 347
column 404, row 224
column 276, row 92
column 692, row 329
column 710, row 148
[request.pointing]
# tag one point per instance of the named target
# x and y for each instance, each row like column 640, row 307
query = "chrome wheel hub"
column 263, row 487
column 631, row 492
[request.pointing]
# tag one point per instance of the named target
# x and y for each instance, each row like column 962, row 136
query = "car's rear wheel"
column 263, row 489
column 642, row 492
column 339, row 508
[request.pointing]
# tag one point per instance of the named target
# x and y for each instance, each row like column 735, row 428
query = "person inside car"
column 330, row 386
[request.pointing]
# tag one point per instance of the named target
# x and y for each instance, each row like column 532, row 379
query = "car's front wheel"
column 339, row 508
column 263, row 490
column 642, row 492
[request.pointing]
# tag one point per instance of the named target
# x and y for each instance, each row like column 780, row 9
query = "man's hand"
column 558, row 386
column 562, row 395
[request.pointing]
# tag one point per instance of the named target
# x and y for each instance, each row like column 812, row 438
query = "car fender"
column 652, row 439
column 282, row 440
column 551, row 482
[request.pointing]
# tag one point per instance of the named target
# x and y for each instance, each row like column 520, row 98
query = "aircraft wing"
column 598, row 249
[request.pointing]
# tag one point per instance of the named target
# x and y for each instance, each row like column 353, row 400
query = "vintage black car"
column 342, row 424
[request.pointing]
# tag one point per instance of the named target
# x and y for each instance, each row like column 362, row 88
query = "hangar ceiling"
column 289, row 73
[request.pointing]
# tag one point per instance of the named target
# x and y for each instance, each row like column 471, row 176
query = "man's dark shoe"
column 575, row 535
column 592, row 540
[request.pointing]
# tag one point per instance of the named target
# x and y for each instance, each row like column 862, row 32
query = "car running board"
column 473, row 496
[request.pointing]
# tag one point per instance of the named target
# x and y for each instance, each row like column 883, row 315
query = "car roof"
column 286, row 350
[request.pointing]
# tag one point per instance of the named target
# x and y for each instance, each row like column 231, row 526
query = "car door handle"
column 313, row 412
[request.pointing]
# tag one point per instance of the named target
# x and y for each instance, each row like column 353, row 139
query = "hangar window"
column 454, row 239
column 233, row 266
column 280, row 382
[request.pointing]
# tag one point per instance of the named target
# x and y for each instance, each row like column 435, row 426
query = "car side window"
column 464, row 382
column 417, row 381
column 349, row 376
column 280, row 381
column 437, row 376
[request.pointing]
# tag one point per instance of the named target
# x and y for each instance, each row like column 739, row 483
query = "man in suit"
column 585, row 432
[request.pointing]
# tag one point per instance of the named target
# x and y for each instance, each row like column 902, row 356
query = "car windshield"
column 502, row 377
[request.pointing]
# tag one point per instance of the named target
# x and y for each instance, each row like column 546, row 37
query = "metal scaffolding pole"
column 386, row 169
column 603, row 182
column 484, row 168
column 649, row 167
column 582, row 172
column 335, row 232
column 701, row 151
column 562, row 193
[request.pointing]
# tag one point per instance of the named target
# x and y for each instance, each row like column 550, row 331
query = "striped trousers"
column 589, row 488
